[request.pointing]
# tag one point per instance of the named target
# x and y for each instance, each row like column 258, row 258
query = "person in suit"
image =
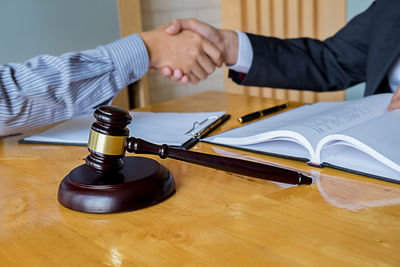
column 367, row 49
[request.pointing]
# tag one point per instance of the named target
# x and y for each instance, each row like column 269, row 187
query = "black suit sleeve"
column 310, row 64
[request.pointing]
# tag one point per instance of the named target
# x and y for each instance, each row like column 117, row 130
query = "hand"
column 186, row 51
column 225, row 40
column 395, row 102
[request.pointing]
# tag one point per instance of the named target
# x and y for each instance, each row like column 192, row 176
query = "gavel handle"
column 249, row 168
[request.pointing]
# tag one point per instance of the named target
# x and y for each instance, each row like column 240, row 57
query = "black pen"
column 261, row 113
column 188, row 144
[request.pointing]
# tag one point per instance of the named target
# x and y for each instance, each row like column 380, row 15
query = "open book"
column 358, row 136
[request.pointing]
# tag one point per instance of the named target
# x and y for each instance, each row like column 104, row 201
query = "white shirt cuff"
column 394, row 75
column 245, row 54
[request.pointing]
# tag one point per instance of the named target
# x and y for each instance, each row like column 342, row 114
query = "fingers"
column 206, row 64
column 395, row 101
column 178, row 25
column 166, row 71
column 184, row 79
column 205, row 30
column 199, row 72
column 193, row 78
column 202, row 65
column 177, row 75
column 394, row 105
column 190, row 55
column 174, row 27
column 209, row 57
column 213, row 52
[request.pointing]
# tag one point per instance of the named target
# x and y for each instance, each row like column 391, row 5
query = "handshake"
column 188, row 50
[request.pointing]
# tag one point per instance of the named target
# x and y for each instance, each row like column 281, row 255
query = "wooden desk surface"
column 214, row 218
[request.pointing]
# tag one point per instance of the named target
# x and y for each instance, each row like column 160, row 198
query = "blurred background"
column 33, row 27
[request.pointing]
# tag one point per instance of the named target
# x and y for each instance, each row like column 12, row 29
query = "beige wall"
column 159, row 12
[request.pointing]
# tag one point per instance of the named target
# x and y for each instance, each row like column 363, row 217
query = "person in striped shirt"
column 48, row 89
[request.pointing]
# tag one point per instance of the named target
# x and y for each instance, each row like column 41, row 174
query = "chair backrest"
column 285, row 19
column 130, row 20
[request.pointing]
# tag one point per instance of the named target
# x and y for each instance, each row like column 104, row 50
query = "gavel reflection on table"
column 111, row 182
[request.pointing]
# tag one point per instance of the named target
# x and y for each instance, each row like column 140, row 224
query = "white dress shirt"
column 245, row 58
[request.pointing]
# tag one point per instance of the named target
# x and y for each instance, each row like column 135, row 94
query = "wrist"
column 149, row 39
column 231, row 46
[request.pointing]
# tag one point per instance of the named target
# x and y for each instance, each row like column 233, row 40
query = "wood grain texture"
column 285, row 19
column 130, row 21
column 214, row 219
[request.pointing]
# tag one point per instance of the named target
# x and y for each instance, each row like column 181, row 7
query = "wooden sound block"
column 142, row 182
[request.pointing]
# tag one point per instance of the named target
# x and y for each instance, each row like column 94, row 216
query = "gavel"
column 126, row 183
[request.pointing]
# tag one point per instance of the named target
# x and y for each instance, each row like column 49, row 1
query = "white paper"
column 159, row 128
column 305, row 125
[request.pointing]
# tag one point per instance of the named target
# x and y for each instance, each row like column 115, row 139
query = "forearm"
column 303, row 63
column 48, row 89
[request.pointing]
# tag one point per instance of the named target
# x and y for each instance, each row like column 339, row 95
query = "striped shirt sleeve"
column 47, row 89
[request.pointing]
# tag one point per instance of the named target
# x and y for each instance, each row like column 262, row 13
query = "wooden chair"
column 130, row 19
column 285, row 19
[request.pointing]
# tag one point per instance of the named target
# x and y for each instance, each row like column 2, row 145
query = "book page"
column 371, row 147
column 310, row 123
column 344, row 115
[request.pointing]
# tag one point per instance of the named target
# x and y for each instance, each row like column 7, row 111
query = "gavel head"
column 107, row 139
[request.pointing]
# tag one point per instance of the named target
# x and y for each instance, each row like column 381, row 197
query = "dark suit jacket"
column 364, row 50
